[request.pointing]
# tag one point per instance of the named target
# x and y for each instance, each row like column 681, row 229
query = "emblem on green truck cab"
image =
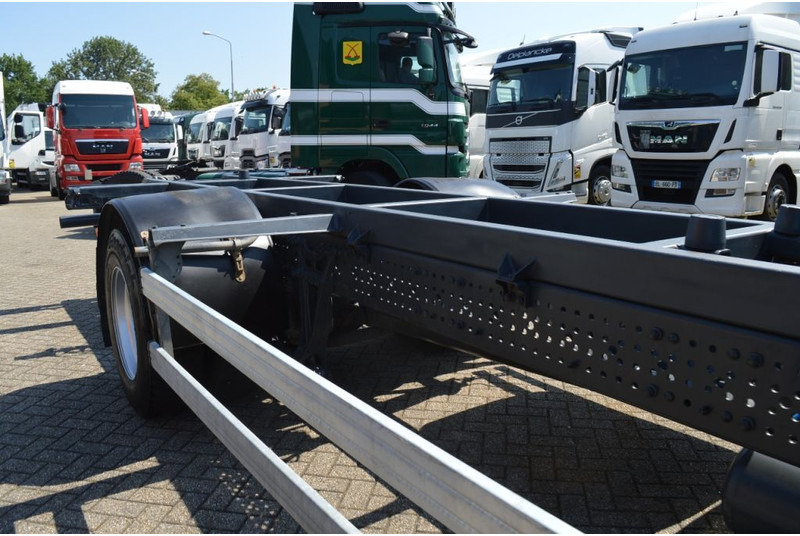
column 352, row 52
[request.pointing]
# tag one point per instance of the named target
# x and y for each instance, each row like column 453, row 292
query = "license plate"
column 671, row 185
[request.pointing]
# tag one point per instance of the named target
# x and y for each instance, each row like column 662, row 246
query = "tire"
column 130, row 330
column 777, row 195
column 54, row 191
column 600, row 186
column 31, row 186
column 4, row 199
column 59, row 191
column 368, row 177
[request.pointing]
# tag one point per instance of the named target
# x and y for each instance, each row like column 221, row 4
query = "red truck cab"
column 97, row 131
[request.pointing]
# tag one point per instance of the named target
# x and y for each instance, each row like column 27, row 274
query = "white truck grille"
column 520, row 163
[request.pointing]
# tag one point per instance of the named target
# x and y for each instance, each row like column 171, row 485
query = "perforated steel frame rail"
column 602, row 298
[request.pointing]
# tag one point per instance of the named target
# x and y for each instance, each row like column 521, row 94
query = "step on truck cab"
column 160, row 140
column 377, row 94
column 707, row 117
column 97, row 130
column 549, row 121
column 30, row 146
column 5, row 176
column 257, row 130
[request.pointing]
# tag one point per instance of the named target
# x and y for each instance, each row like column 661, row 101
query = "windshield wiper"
column 705, row 97
column 503, row 107
column 638, row 102
column 542, row 102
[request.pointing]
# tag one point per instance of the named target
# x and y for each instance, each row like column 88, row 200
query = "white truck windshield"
column 538, row 86
column 256, row 119
column 709, row 75
column 159, row 133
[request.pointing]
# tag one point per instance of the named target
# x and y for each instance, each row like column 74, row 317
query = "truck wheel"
column 777, row 195
column 60, row 191
column 368, row 177
column 129, row 329
column 600, row 186
column 4, row 199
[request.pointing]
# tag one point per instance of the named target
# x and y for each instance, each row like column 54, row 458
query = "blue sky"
column 170, row 33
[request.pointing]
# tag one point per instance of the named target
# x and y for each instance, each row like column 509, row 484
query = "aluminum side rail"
column 454, row 493
column 305, row 505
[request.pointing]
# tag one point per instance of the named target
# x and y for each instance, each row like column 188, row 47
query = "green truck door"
column 408, row 126
column 344, row 95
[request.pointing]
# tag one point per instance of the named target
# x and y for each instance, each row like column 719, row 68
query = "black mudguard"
column 208, row 277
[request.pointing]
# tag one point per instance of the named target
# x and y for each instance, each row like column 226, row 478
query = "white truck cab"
column 476, row 71
column 198, row 138
column 258, row 129
column 224, row 146
column 160, row 139
column 708, row 117
column 549, row 122
column 29, row 147
column 5, row 177
column 196, row 131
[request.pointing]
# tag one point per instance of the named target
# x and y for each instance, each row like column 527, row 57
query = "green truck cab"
column 377, row 93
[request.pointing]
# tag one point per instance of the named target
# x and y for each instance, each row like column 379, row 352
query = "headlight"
column 556, row 179
column 561, row 175
column 72, row 168
column 135, row 165
column 621, row 187
column 619, row 171
column 726, row 174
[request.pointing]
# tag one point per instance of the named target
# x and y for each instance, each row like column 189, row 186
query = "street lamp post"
column 230, row 45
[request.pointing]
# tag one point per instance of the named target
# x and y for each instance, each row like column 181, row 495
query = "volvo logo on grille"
column 518, row 120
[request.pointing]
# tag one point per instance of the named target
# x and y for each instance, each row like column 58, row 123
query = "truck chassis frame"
column 687, row 317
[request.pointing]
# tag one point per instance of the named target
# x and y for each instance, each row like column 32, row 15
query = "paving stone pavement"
column 74, row 457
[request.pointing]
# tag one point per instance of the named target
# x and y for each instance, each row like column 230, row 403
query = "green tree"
column 197, row 92
column 21, row 82
column 106, row 58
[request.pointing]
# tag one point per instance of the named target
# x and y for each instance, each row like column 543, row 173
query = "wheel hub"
column 601, row 192
column 123, row 322
column 775, row 198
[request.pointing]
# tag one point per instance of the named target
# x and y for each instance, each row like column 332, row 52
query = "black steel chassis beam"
column 608, row 299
